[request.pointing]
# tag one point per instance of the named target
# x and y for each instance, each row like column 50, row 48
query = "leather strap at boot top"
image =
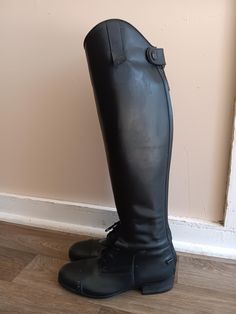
column 156, row 56
column 116, row 42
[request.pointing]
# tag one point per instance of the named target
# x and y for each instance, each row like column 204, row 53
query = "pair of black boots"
column 134, row 109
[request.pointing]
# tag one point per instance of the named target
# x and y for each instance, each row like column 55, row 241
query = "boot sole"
column 146, row 289
column 68, row 288
column 158, row 287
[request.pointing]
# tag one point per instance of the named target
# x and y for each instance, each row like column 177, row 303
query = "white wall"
column 50, row 139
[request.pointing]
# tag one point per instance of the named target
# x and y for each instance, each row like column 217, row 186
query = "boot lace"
column 108, row 254
column 113, row 227
column 110, row 251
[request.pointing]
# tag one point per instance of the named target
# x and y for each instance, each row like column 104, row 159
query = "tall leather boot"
column 135, row 114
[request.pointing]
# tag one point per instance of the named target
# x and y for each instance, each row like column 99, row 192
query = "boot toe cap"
column 85, row 277
column 70, row 276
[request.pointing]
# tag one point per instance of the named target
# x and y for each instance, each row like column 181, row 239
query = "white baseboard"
column 189, row 235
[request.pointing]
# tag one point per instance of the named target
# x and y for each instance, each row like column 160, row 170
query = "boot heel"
column 158, row 286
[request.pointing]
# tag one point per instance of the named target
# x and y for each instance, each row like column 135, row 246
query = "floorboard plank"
column 30, row 259
column 41, row 274
column 207, row 273
column 36, row 240
column 12, row 261
column 21, row 299
column 109, row 310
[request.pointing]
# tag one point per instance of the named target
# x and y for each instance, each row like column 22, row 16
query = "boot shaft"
column 135, row 115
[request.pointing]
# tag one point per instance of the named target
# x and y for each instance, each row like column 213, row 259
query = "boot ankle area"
column 153, row 266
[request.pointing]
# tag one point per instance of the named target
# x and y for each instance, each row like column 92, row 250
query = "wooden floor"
column 30, row 259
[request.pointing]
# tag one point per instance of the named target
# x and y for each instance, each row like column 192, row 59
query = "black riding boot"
column 135, row 114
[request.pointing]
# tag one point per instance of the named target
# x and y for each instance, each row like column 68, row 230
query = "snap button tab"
column 155, row 56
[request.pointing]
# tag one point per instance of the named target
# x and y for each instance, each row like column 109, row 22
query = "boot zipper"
column 163, row 76
column 161, row 71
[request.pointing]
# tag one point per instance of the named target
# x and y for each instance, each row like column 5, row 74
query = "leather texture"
column 136, row 119
column 86, row 249
column 118, row 271
column 134, row 110
column 93, row 247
